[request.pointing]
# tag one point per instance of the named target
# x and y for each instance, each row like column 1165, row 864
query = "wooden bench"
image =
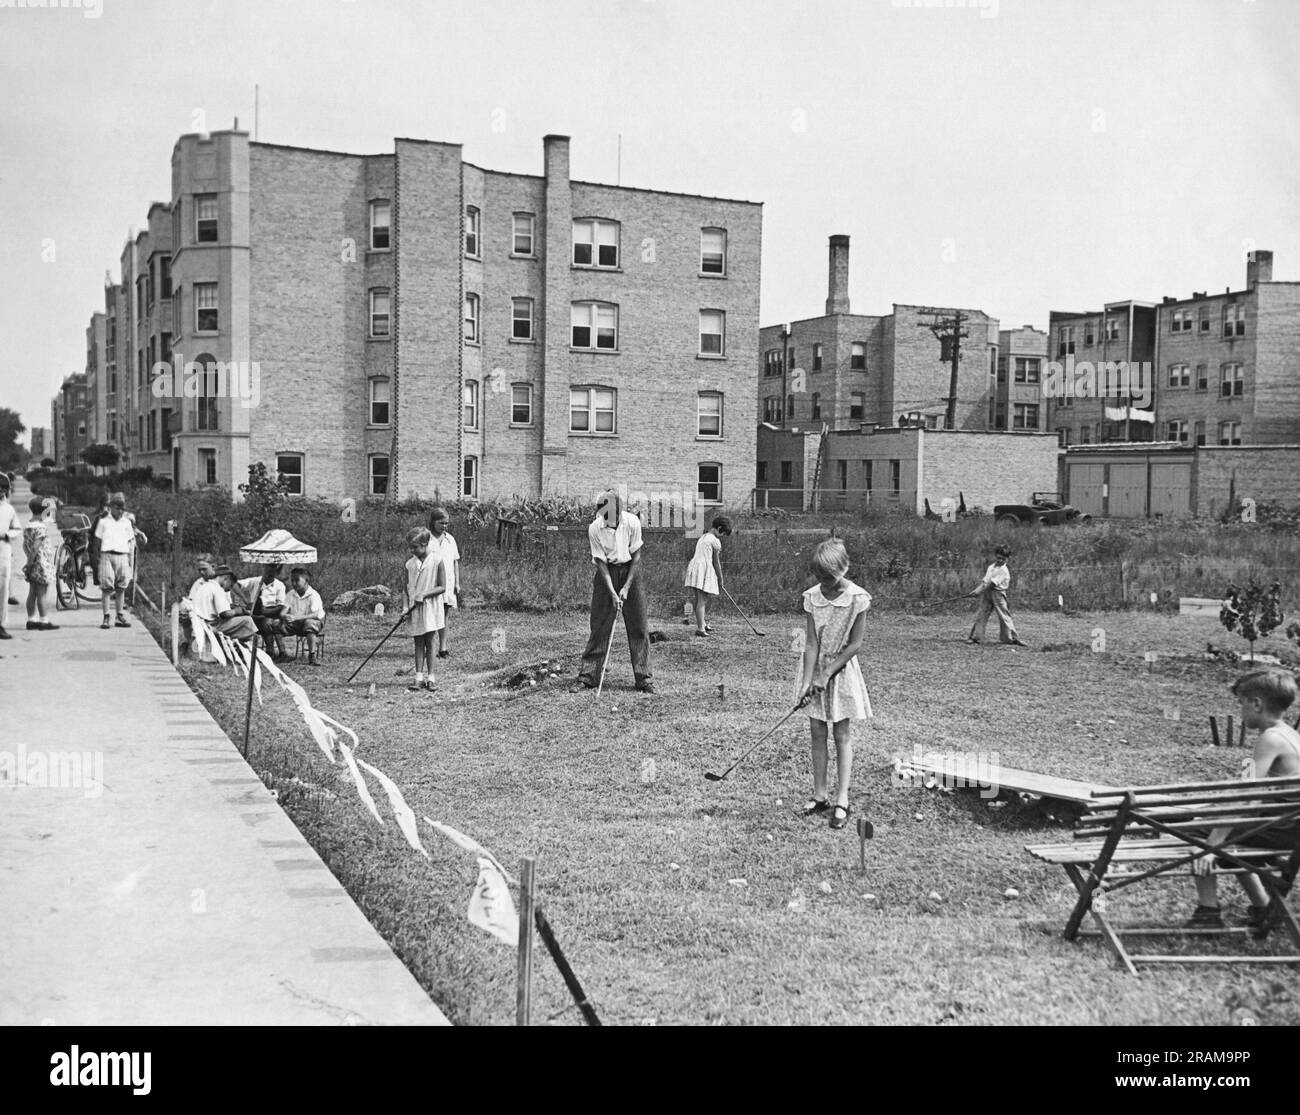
column 961, row 771
column 1126, row 837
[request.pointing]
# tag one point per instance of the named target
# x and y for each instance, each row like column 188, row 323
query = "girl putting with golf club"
column 426, row 583
column 704, row 573
column 831, row 677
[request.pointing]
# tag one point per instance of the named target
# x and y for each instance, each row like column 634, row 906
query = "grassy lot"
column 643, row 880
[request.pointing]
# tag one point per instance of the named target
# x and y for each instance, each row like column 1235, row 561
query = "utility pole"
column 949, row 326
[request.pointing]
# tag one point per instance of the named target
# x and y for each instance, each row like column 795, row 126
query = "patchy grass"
column 640, row 880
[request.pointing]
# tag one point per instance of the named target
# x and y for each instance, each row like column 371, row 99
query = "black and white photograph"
column 637, row 513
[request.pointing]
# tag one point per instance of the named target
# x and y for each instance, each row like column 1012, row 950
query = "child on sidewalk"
column 38, row 549
column 1264, row 696
column 426, row 586
column 992, row 592
column 9, row 532
column 444, row 546
column 832, row 678
column 116, row 538
column 704, row 573
column 304, row 612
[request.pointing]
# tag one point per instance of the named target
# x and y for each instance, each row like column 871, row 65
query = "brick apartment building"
column 42, row 446
column 1017, row 402
column 846, row 369
column 1123, row 331
column 1228, row 365
column 70, row 417
column 424, row 325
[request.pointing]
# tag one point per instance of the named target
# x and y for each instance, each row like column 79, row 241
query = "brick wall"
column 986, row 468
column 1262, row 473
column 1276, row 416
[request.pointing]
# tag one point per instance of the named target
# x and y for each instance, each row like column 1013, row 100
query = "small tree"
column 101, row 456
column 263, row 495
column 1254, row 612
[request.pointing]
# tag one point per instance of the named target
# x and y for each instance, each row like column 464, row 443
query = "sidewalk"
column 159, row 882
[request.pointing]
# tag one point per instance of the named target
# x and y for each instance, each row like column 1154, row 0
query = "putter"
column 755, row 630
column 609, row 643
column 803, row 703
column 400, row 621
column 949, row 600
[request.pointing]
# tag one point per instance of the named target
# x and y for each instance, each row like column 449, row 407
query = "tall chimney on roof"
column 1259, row 268
column 837, row 298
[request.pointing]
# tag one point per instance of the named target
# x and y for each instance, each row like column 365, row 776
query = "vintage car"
column 1043, row 509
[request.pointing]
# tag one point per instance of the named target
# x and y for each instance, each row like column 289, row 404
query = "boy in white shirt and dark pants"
column 993, row 598
column 115, row 534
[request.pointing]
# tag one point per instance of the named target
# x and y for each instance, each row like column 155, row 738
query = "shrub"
column 1253, row 613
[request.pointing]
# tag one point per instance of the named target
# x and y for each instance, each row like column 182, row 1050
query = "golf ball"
column 1011, row 892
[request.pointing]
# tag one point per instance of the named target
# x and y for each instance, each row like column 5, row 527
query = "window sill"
column 373, row 338
column 593, row 267
column 206, row 333
column 473, row 344
column 524, row 255
column 710, row 356
column 522, row 426
column 475, row 258
column 596, row 351
column 589, row 433
column 710, row 437
column 379, row 251
column 469, row 429
column 379, row 425
column 521, row 340
column 713, row 275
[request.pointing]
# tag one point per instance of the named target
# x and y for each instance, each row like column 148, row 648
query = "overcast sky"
column 1036, row 155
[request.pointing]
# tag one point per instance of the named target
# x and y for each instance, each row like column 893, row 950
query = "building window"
column 816, row 405
column 1229, row 433
column 1002, row 369
column 521, row 404
column 592, row 410
column 471, row 231
column 858, row 357
column 713, row 251
column 380, row 397
column 1200, row 433
column 772, row 408
column 1112, row 329
column 789, row 408
column 153, row 430
column 1062, row 436
column 522, row 230
column 595, row 325
column 772, row 362
column 469, row 478
column 1179, row 375
column 205, row 218
column 1089, row 334
column 1024, row 416
column 1027, row 369
column 521, row 315
column 595, row 243
column 867, row 471
column 379, row 474
column 708, row 414
column 469, row 404
column 710, row 482
column 381, row 218
column 1065, row 337
column 1064, row 401
column 1085, row 435
column 381, row 304
column 844, row 475
column 289, row 466
column 471, row 318
column 713, row 328
column 1234, row 320
column 857, row 404
column 1181, row 321
column 1205, row 320
column 895, row 477
column 787, row 472
column 1231, row 382
column 790, row 357
column 817, row 358
column 164, row 278
column 207, row 466
column 760, row 477
column 206, row 315
column 206, row 413
column 1176, row 430
column 1202, row 378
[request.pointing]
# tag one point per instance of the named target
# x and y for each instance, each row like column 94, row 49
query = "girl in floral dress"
column 832, row 679
column 38, row 549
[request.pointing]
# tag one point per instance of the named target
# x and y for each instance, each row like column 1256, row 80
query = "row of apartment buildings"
column 411, row 323
column 408, row 323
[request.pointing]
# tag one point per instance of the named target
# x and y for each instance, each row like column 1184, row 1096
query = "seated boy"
column 304, row 614
column 269, row 609
column 210, row 602
column 1264, row 695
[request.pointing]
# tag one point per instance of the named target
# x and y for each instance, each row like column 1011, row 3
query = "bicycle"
column 72, row 567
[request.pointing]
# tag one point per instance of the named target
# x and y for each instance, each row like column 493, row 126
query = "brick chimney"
column 1259, row 268
column 837, row 298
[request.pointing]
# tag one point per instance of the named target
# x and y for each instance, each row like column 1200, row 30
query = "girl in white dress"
column 832, row 679
column 704, row 573
column 426, row 581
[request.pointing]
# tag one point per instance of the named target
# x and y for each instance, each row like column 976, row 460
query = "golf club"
column 949, row 600
column 802, row 703
column 400, row 621
column 755, row 630
column 600, row 687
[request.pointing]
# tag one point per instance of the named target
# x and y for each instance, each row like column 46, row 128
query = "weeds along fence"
column 902, row 560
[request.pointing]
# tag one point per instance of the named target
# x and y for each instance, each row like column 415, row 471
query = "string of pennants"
column 491, row 907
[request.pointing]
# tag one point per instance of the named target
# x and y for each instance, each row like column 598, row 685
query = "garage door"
column 1171, row 489
column 1128, row 491
column 1085, row 487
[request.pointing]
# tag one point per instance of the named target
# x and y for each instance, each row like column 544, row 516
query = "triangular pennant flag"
column 402, row 811
column 491, row 907
column 468, row 843
column 362, row 790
